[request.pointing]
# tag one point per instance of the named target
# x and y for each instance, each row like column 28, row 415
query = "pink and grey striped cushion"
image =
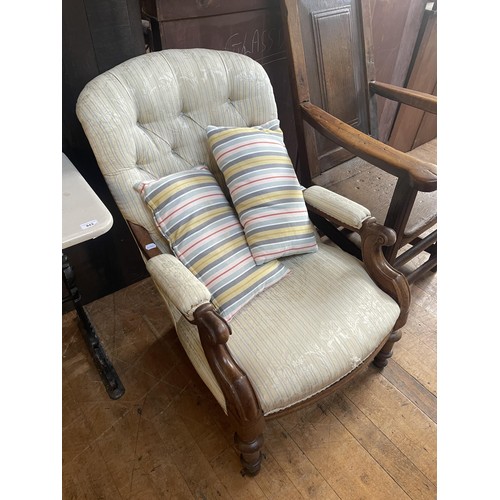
column 203, row 231
column 264, row 188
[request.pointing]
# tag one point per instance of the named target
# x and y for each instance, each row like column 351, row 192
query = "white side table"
column 85, row 217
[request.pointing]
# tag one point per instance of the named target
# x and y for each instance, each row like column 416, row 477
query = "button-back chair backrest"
column 146, row 118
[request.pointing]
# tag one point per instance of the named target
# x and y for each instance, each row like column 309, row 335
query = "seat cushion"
column 306, row 332
column 264, row 190
column 203, row 231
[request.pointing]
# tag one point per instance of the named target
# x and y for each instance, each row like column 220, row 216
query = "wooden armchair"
column 315, row 325
column 332, row 73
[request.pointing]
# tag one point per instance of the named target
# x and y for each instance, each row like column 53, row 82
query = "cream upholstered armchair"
column 271, row 315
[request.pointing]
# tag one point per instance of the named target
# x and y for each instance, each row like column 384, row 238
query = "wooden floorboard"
column 412, row 389
column 168, row 438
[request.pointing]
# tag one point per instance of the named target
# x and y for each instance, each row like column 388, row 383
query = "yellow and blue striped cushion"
column 204, row 233
column 264, row 189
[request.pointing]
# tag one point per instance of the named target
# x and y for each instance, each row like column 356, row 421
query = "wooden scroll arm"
column 241, row 402
column 374, row 237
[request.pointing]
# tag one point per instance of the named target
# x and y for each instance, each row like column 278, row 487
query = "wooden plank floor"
column 168, row 438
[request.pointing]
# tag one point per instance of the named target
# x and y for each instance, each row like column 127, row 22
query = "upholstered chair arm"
column 351, row 215
column 342, row 210
column 177, row 284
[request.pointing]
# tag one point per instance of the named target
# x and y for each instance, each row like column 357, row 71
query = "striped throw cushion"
column 264, row 189
column 204, row 233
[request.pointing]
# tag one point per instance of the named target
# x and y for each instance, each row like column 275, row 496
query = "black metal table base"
column 110, row 378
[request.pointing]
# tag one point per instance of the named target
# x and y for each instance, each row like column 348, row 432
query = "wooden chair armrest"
column 414, row 98
column 420, row 174
column 242, row 404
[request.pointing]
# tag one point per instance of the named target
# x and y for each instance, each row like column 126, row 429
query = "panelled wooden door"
column 335, row 54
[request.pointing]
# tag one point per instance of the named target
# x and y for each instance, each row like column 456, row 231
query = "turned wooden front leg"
column 382, row 358
column 250, row 452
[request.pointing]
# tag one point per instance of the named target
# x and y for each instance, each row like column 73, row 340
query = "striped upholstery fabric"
column 335, row 318
column 343, row 209
column 203, row 231
column 146, row 118
column 264, row 190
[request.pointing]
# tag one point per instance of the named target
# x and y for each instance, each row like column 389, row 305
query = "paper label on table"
column 150, row 246
column 89, row 224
